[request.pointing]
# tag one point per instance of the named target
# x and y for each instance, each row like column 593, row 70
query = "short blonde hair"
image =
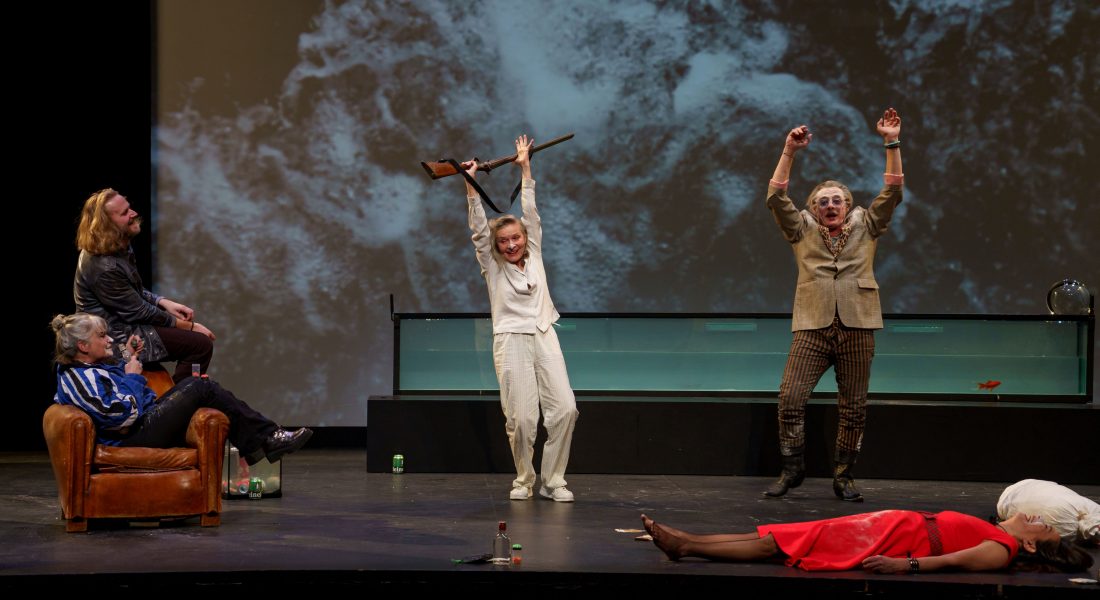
column 501, row 222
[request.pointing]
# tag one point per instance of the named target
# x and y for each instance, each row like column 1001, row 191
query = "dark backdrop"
column 80, row 122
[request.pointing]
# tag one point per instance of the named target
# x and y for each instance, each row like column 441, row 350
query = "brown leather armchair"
column 108, row 482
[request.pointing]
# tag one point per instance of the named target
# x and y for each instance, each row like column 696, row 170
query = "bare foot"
column 668, row 542
column 683, row 535
column 648, row 524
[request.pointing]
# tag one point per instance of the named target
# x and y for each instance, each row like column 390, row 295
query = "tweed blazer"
column 843, row 285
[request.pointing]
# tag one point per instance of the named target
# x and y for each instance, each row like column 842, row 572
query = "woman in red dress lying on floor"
column 888, row 541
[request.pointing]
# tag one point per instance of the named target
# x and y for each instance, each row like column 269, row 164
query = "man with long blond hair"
column 107, row 284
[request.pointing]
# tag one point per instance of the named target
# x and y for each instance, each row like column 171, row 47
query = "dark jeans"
column 165, row 426
column 186, row 348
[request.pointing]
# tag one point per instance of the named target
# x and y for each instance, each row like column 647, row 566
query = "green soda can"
column 255, row 488
column 398, row 463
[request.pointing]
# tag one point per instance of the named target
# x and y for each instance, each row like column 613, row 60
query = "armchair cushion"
column 115, row 459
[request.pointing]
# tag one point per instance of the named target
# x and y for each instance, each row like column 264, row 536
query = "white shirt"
column 1068, row 512
column 518, row 298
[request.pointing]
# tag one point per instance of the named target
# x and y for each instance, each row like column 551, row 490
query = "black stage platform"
column 338, row 528
column 630, row 434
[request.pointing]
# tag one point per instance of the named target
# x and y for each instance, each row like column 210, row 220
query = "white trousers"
column 531, row 372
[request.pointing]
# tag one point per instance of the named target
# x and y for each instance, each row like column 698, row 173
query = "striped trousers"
column 813, row 351
column 531, row 372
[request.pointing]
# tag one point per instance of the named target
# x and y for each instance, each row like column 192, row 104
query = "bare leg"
column 737, row 551
column 709, row 538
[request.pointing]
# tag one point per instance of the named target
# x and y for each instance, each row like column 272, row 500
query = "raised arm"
column 882, row 207
column 797, row 139
column 784, row 211
column 523, row 155
column 986, row 556
column 889, row 127
column 478, row 223
column 531, row 219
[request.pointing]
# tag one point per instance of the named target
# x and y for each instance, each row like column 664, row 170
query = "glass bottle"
column 502, row 546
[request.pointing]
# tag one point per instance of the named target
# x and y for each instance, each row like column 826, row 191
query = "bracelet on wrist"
column 893, row 144
column 914, row 565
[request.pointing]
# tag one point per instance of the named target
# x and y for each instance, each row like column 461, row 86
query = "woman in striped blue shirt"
column 127, row 412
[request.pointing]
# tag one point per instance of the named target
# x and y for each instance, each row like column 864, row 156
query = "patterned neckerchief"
column 835, row 246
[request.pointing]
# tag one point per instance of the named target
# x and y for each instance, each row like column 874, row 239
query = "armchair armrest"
column 206, row 433
column 70, row 438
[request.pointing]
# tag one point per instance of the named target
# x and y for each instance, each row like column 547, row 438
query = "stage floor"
column 337, row 525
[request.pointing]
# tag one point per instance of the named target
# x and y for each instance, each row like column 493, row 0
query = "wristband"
column 914, row 565
column 893, row 144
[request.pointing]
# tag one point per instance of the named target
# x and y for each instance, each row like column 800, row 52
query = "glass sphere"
column 1068, row 297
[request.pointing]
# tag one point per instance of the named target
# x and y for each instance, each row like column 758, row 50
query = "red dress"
column 842, row 543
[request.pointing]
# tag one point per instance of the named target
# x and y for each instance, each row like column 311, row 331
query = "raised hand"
column 470, row 166
column 797, row 139
column 523, row 146
column 523, row 154
column 471, row 169
column 889, row 126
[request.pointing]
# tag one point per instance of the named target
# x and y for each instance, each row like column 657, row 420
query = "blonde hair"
column 501, row 222
column 71, row 329
column 97, row 233
column 824, row 184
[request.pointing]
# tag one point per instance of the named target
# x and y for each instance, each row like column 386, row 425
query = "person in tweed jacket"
column 836, row 303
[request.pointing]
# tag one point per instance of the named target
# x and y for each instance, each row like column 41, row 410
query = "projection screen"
column 289, row 201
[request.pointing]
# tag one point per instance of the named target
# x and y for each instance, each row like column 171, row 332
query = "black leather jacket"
column 109, row 286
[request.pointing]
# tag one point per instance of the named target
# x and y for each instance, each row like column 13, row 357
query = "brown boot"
column 794, row 471
column 844, row 486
